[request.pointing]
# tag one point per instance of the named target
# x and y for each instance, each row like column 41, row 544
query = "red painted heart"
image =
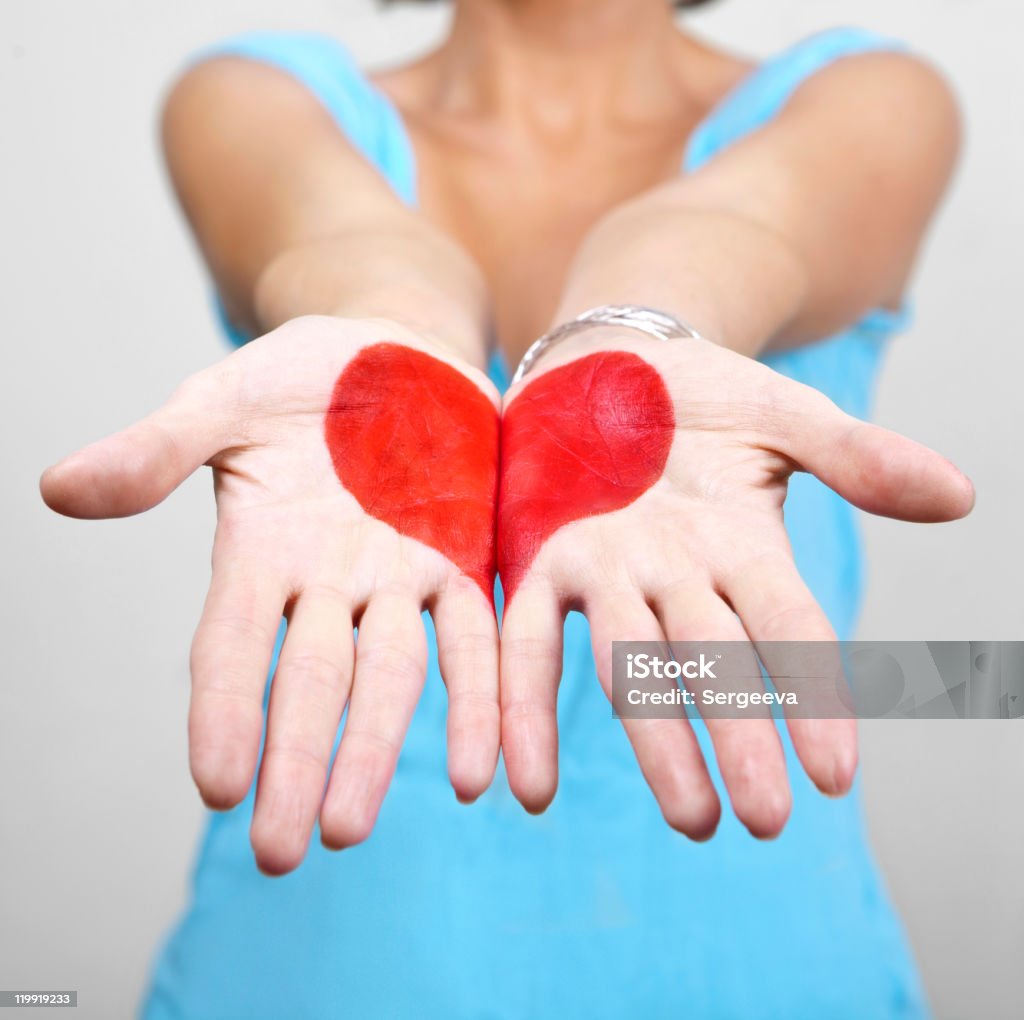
column 584, row 439
column 416, row 443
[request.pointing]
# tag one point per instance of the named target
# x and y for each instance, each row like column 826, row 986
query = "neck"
column 561, row 62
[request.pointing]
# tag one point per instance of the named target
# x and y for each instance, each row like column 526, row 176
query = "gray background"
column 105, row 309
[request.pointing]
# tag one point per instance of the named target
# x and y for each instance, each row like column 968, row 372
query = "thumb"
column 135, row 469
column 875, row 469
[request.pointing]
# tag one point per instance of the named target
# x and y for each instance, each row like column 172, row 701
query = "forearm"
column 735, row 281
column 293, row 221
column 798, row 229
column 400, row 272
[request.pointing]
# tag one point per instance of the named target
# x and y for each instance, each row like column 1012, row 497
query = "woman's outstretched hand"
column 643, row 483
column 356, row 475
column 355, row 469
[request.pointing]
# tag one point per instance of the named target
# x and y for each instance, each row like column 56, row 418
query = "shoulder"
column 843, row 84
column 300, row 51
column 894, row 96
column 257, row 63
column 295, row 83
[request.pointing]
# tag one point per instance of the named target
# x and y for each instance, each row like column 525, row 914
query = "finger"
column 531, row 669
column 775, row 605
column 467, row 650
column 307, row 697
column 391, row 664
column 877, row 470
column 135, row 469
column 666, row 749
column 748, row 750
column 231, row 654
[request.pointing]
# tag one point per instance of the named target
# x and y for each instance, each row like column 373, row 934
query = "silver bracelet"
column 647, row 320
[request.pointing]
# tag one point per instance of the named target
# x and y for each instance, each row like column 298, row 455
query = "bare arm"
column 796, row 230
column 355, row 451
column 293, row 221
column 787, row 236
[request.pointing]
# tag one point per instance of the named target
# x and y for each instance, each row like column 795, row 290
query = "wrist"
column 305, row 281
column 367, row 330
column 693, row 310
column 604, row 327
column 737, row 282
column 432, row 319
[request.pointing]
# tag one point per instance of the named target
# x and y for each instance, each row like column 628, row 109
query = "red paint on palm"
column 584, row 439
column 416, row 443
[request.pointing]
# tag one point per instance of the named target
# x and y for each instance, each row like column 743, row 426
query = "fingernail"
column 844, row 768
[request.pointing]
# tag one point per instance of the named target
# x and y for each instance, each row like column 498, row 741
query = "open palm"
column 643, row 483
column 355, row 470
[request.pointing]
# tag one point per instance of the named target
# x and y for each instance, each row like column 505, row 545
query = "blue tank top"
column 596, row 909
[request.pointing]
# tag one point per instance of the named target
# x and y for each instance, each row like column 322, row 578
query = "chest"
column 522, row 212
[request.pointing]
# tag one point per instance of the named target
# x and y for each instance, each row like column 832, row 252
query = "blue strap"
column 364, row 114
column 764, row 92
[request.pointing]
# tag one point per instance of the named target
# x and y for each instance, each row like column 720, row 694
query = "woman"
column 380, row 235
